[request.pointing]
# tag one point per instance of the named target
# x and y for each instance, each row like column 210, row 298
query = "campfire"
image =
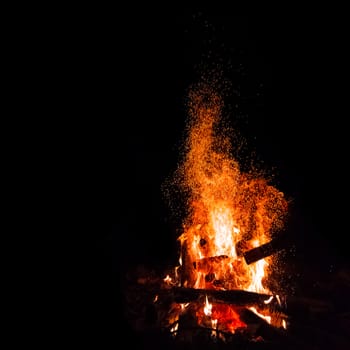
column 223, row 287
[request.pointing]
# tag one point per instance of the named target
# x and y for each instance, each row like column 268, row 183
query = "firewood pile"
column 318, row 314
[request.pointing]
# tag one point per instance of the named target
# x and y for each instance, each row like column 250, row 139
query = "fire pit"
column 224, row 290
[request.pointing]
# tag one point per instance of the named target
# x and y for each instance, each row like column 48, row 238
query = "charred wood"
column 266, row 249
column 237, row 297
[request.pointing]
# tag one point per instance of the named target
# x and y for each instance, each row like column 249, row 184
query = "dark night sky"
column 286, row 75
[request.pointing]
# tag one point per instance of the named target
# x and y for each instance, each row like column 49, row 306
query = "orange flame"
column 228, row 211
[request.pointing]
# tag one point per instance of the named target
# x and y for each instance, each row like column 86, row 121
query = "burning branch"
column 237, row 297
column 266, row 250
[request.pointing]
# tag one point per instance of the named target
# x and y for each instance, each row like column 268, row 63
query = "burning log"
column 237, row 297
column 265, row 250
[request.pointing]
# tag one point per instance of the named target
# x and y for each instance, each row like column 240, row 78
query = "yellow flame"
column 214, row 324
column 266, row 318
column 207, row 307
column 268, row 301
column 174, row 328
column 284, row 324
column 224, row 231
column 167, row 279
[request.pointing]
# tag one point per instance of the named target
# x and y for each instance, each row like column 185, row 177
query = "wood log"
column 266, row 249
column 237, row 297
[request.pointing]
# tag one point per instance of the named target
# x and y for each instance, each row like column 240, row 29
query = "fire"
column 229, row 211
column 265, row 317
column 207, row 307
column 227, row 316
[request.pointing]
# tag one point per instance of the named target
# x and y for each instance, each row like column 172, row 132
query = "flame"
column 268, row 301
column 284, row 324
column 219, row 316
column 267, row 318
column 228, row 211
column 207, row 307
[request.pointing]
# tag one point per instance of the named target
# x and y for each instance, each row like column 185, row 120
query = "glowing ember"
column 168, row 279
column 226, row 209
